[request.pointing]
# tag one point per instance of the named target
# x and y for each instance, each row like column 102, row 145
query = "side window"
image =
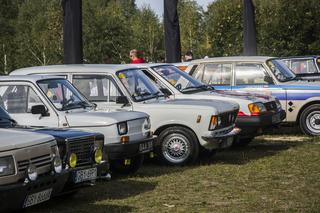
column 303, row 66
column 250, row 74
column 219, row 74
column 97, row 87
column 19, row 98
column 197, row 73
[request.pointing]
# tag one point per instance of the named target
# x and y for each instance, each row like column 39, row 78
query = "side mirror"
column 122, row 100
column 165, row 91
column 268, row 79
column 39, row 109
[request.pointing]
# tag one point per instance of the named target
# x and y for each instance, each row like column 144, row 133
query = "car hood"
column 15, row 139
column 99, row 118
column 237, row 96
column 218, row 106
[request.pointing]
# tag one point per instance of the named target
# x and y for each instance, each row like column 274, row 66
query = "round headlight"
column 98, row 156
column 73, row 160
column 32, row 173
column 57, row 165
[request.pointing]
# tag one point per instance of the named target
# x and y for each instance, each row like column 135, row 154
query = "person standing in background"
column 135, row 57
column 188, row 56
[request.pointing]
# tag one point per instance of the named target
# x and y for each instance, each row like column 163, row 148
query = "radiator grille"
column 83, row 148
column 38, row 162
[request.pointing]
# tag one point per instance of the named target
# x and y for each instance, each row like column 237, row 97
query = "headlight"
column 256, row 108
column 122, row 128
column 213, row 122
column 7, row 166
column 98, row 154
column 72, row 160
column 57, row 164
column 32, row 172
column 147, row 124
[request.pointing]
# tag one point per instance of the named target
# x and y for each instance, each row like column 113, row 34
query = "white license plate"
column 276, row 118
column 36, row 198
column 147, row 146
column 85, row 175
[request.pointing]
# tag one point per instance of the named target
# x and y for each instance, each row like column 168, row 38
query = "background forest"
column 31, row 31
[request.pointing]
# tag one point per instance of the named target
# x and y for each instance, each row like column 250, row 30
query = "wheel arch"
column 304, row 107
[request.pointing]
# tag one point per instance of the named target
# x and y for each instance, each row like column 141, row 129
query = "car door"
column 218, row 75
column 18, row 99
column 100, row 89
column 253, row 77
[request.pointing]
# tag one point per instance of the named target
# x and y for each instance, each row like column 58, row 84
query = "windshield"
column 139, row 86
column 280, row 70
column 62, row 94
column 179, row 79
column 5, row 119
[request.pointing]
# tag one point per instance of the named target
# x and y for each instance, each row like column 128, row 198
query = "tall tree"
column 148, row 34
column 191, row 27
column 39, row 33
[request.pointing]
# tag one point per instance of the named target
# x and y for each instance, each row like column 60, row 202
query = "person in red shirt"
column 135, row 57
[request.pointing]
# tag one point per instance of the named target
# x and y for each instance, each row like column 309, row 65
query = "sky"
column 157, row 5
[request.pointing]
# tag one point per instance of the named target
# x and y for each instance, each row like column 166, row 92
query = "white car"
column 44, row 101
column 257, row 112
column 30, row 169
column 182, row 126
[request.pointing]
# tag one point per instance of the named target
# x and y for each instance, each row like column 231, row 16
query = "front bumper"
column 251, row 124
column 71, row 185
column 132, row 148
column 13, row 196
column 221, row 141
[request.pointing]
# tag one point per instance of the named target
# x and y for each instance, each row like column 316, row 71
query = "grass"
column 273, row 174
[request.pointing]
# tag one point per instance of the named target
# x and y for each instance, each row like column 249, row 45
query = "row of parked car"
column 66, row 126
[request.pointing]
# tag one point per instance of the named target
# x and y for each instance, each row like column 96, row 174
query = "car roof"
column 79, row 68
column 300, row 57
column 234, row 58
column 31, row 78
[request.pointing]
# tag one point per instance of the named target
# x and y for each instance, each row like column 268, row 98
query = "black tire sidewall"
column 189, row 135
column 303, row 119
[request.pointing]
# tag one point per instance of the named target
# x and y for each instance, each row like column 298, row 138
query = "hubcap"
column 313, row 122
column 176, row 148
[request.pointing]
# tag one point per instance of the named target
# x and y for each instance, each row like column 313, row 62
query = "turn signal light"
column 124, row 139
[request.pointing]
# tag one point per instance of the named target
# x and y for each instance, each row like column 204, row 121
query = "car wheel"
column 126, row 166
column 178, row 146
column 310, row 120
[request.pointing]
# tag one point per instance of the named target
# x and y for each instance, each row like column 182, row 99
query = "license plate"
column 85, row 175
column 276, row 118
column 36, row 198
column 145, row 147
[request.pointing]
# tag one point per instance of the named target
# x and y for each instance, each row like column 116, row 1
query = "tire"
column 310, row 120
column 119, row 166
column 178, row 146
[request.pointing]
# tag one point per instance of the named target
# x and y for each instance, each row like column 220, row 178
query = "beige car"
column 30, row 169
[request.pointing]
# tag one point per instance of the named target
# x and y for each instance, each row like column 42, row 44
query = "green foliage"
column 39, row 37
column 147, row 34
column 224, row 27
column 191, row 27
column 31, row 31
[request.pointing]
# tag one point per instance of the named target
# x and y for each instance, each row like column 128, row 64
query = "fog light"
column 32, row 173
column 127, row 162
column 73, row 160
column 124, row 139
column 98, row 155
column 57, row 165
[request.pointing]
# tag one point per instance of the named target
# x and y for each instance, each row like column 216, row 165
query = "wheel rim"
column 176, row 148
column 313, row 122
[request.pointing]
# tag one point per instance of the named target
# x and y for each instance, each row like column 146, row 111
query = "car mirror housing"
column 39, row 109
